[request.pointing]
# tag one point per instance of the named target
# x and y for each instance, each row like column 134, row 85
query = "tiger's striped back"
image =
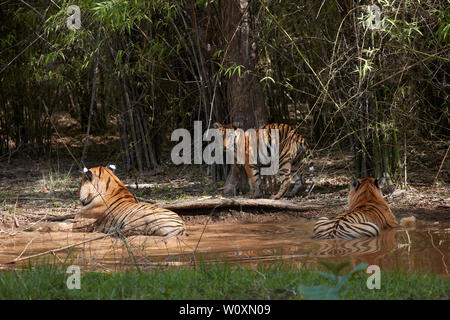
column 141, row 218
column 369, row 214
column 107, row 199
column 294, row 154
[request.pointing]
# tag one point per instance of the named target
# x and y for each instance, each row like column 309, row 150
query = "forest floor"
column 31, row 190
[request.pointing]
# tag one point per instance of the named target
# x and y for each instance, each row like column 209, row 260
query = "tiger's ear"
column 217, row 125
column 87, row 173
column 380, row 182
column 354, row 183
column 112, row 168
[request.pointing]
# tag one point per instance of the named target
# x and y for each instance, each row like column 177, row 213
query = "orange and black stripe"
column 369, row 214
column 122, row 213
column 293, row 152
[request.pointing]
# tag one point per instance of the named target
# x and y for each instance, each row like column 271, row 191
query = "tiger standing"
column 107, row 199
column 293, row 153
column 369, row 213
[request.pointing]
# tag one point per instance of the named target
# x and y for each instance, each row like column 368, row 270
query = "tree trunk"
column 244, row 92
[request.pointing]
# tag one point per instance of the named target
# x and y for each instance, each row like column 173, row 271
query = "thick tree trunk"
column 244, row 92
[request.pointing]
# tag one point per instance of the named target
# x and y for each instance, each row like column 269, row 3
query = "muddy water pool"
column 425, row 247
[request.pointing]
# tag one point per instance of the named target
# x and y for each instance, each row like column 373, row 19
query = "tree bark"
column 200, row 206
column 244, row 92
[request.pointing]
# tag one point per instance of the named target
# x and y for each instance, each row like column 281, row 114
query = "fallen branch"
column 208, row 204
column 201, row 206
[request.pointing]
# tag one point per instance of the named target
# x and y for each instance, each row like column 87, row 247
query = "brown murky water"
column 425, row 247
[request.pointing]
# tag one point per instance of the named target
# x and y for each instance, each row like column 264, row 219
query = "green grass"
column 212, row 281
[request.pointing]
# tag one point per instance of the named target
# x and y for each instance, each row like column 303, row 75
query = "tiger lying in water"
column 293, row 153
column 106, row 198
column 369, row 213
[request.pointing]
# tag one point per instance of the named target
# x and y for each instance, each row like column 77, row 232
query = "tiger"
column 293, row 152
column 104, row 197
column 369, row 213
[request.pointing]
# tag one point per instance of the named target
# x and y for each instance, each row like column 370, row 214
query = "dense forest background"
column 352, row 80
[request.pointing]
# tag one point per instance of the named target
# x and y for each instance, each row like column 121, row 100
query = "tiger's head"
column 224, row 126
column 366, row 189
column 228, row 139
column 98, row 188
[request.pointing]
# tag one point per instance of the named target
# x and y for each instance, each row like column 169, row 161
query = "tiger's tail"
column 341, row 229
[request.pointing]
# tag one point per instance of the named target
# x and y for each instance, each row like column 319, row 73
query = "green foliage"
column 119, row 15
column 172, row 59
column 232, row 70
column 444, row 24
column 326, row 292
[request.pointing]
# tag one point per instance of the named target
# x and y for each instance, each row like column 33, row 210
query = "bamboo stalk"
column 151, row 150
column 123, row 120
column 440, row 167
column 386, row 164
column 142, row 134
column 136, row 146
column 376, row 146
column 91, row 107
column 396, row 164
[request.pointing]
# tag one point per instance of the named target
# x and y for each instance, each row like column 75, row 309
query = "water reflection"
column 423, row 248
